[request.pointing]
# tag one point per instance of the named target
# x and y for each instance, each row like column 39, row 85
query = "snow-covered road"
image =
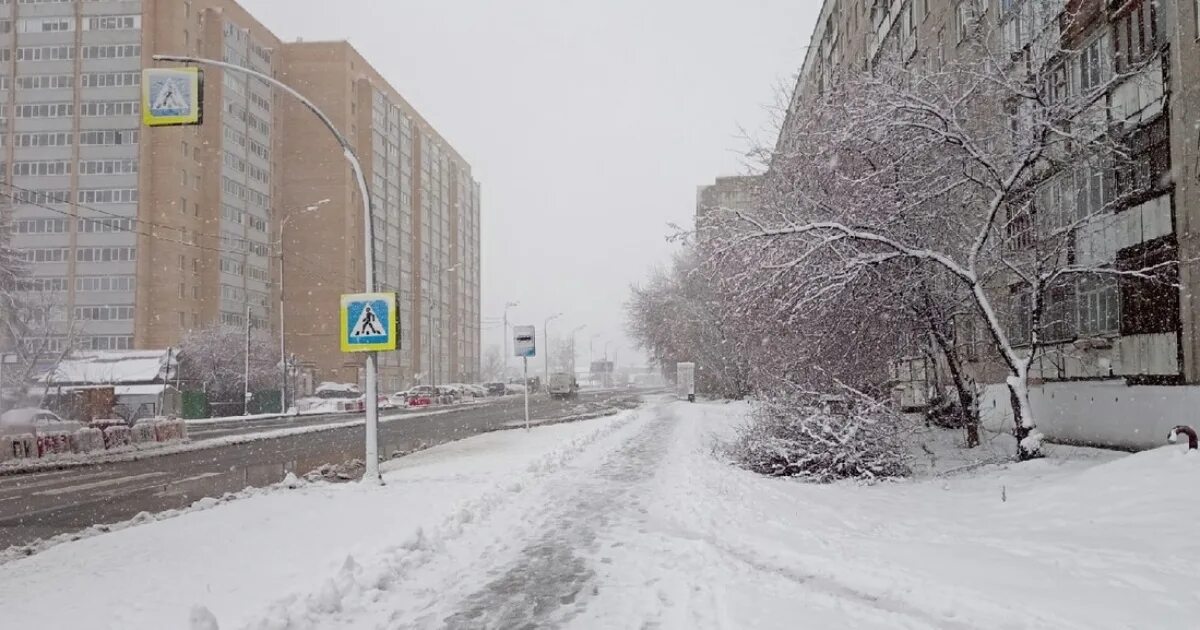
column 633, row 522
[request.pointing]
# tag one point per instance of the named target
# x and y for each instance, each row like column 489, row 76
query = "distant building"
column 734, row 192
column 142, row 235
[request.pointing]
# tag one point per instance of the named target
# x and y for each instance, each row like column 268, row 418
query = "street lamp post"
column 573, row 331
column 371, row 475
column 607, row 368
column 283, row 363
column 546, row 351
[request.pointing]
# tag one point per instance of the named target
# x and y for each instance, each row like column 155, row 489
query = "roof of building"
column 113, row 368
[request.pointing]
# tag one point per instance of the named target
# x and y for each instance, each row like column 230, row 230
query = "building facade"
column 139, row 235
column 1106, row 333
column 733, row 192
column 425, row 205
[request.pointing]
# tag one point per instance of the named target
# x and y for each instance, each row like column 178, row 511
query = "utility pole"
column 246, row 380
column 546, row 350
column 283, row 384
column 371, row 456
column 283, row 357
column 429, row 368
column 573, row 332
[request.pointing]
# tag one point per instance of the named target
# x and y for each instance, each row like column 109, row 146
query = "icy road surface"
column 632, row 522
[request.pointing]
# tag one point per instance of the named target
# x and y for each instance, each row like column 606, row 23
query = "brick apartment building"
column 1107, row 349
column 142, row 235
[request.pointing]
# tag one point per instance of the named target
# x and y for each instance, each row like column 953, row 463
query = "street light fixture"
column 546, row 350
column 283, row 362
column 371, row 455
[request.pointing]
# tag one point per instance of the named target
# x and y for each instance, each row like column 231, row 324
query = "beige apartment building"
column 1120, row 342
column 426, row 222
column 141, row 235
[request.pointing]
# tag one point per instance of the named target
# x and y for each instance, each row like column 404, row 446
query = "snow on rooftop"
column 110, row 368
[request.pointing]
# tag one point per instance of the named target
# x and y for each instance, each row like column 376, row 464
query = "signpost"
column 172, row 97
column 161, row 106
column 368, row 324
column 525, row 346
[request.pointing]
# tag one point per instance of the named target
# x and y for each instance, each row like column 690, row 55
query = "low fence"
column 93, row 439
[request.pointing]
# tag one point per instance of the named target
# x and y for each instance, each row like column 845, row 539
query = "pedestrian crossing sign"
column 172, row 96
column 369, row 322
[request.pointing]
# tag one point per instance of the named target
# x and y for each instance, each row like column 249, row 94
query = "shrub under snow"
column 796, row 437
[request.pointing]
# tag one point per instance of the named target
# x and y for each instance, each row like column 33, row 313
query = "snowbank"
column 1070, row 542
column 310, row 550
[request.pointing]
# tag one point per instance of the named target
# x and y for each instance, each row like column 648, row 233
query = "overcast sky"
column 589, row 124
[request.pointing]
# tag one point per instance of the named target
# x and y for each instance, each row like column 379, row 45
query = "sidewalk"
column 306, row 549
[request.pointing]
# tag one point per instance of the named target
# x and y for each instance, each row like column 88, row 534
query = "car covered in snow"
column 34, row 421
column 338, row 390
column 495, row 389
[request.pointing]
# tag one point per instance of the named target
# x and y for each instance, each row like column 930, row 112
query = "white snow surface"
column 634, row 521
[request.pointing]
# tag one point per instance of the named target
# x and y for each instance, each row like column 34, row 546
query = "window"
column 44, row 81
column 44, row 110
column 41, row 168
column 108, row 195
column 40, row 226
column 104, row 313
column 110, row 108
column 1099, row 306
column 1094, row 187
column 113, row 23
column 45, row 53
column 45, row 25
column 103, row 284
column 109, row 137
column 111, row 79
column 1092, row 66
column 105, row 225
column 108, row 167
column 46, row 255
column 112, row 52
column 106, row 254
column 1020, row 307
column 1058, row 314
column 1135, row 34
column 1149, row 305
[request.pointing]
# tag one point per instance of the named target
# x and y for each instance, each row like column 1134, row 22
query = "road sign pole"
column 526, row 362
column 372, row 403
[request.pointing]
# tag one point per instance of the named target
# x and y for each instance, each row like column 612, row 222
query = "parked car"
column 496, row 389
column 385, row 402
column 399, row 399
column 34, row 421
column 422, row 395
column 514, row 388
column 338, row 390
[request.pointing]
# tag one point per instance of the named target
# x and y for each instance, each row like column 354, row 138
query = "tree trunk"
column 1023, row 426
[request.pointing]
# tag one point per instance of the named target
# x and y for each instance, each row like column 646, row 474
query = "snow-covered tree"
column 677, row 316
column 214, row 359
column 492, row 367
column 993, row 173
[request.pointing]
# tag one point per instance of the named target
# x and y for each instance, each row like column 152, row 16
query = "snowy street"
column 628, row 521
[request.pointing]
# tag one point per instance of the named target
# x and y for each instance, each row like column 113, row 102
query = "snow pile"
column 312, row 551
column 795, row 437
column 290, row 482
column 1080, row 540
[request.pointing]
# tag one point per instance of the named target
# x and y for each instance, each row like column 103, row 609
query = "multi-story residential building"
column 143, row 235
column 1106, row 333
column 426, row 221
column 733, row 192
